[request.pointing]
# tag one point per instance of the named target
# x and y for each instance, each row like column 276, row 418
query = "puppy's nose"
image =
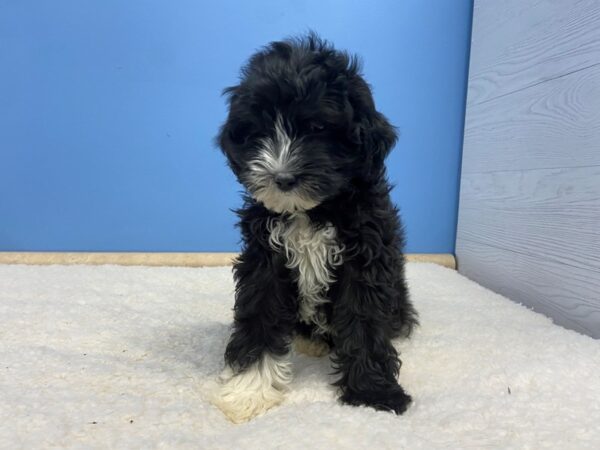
column 285, row 181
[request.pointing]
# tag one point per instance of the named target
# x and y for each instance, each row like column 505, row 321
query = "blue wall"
column 108, row 109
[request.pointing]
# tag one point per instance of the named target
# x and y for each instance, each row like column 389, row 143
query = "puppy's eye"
column 316, row 126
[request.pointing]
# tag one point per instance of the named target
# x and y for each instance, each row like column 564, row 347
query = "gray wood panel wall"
column 529, row 214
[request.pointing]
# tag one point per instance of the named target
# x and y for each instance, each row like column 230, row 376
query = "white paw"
column 241, row 406
column 252, row 392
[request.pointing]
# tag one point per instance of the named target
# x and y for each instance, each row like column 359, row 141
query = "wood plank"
column 529, row 214
column 538, row 233
column 554, row 124
column 548, row 287
column 166, row 259
column 519, row 43
column 551, row 213
column 119, row 258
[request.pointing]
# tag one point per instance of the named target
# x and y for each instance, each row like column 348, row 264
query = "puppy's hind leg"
column 314, row 347
column 309, row 343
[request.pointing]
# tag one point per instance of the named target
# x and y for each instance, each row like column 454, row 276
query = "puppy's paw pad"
column 310, row 347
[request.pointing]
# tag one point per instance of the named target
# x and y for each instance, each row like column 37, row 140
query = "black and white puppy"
column 322, row 259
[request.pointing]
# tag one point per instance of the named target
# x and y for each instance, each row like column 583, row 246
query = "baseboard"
column 165, row 259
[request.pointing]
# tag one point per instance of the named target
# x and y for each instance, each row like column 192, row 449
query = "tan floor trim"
column 165, row 259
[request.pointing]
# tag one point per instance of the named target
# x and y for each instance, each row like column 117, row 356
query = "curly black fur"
column 340, row 142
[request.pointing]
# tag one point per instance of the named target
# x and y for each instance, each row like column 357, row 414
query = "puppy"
column 322, row 255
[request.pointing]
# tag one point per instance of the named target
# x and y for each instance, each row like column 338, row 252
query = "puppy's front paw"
column 393, row 399
column 240, row 407
column 246, row 395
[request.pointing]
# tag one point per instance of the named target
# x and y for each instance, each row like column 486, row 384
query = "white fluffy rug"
column 124, row 357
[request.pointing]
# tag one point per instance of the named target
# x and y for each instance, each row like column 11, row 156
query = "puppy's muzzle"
column 286, row 181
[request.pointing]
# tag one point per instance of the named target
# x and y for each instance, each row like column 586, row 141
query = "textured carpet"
column 125, row 357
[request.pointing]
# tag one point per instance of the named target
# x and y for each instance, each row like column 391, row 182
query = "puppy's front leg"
column 257, row 366
column 364, row 354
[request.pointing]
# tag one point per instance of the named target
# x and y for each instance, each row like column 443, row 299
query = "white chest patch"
column 313, row 253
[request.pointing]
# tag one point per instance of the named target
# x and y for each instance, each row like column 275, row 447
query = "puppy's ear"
column 225, row 140
column 378, row 139
column 372, row 130
column 232, row 132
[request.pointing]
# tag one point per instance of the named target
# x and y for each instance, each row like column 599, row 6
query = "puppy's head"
column 302, row 125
